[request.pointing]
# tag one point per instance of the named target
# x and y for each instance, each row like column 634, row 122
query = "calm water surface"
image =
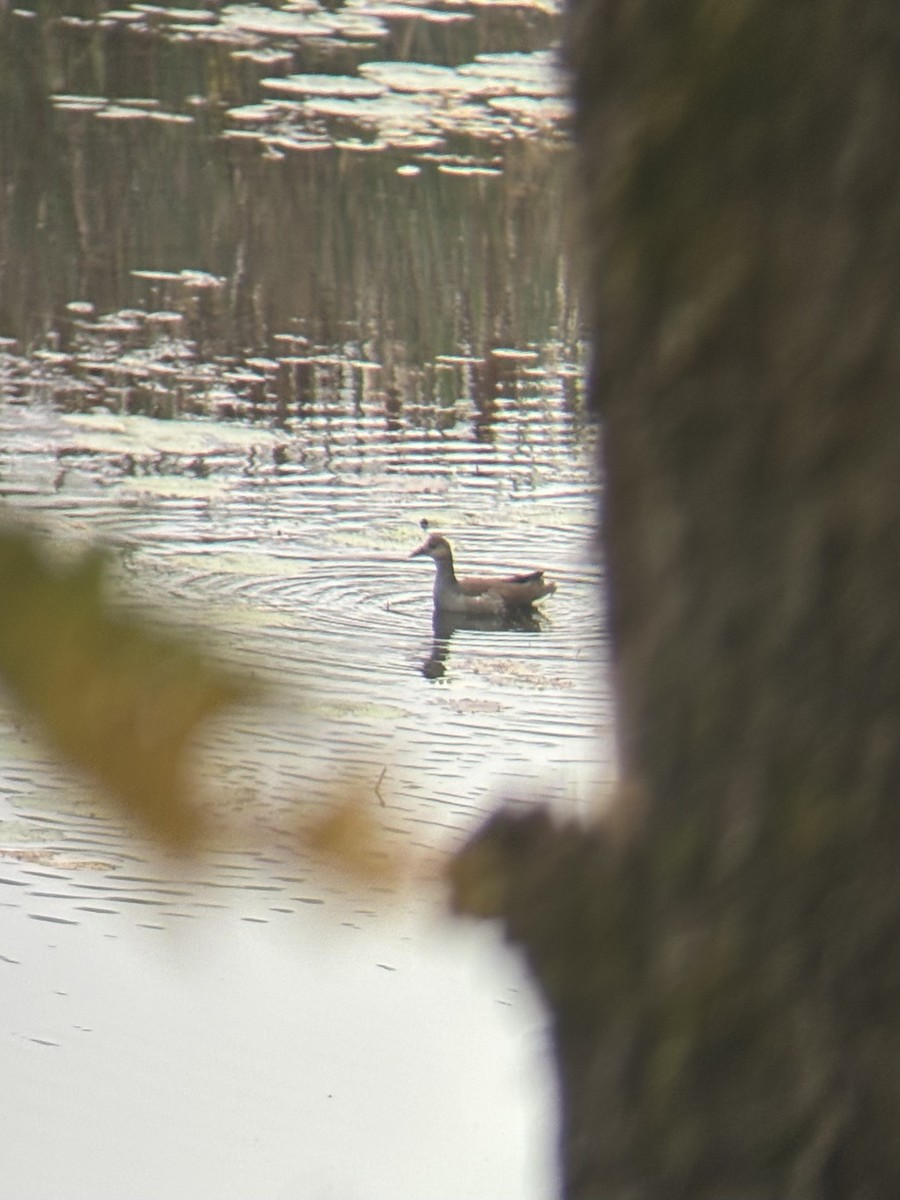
column 278, row 282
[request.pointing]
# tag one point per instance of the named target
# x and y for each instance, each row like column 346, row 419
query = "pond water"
column 277, row 283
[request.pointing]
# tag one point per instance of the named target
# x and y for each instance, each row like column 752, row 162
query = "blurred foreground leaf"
column 111, row 695
column 350, row 838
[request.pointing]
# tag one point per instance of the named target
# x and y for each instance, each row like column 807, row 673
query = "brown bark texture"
column 721, row 956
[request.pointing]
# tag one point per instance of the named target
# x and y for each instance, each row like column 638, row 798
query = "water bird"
column 478, row 595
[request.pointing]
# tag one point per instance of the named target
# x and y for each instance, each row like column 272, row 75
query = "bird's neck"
column 445, row 571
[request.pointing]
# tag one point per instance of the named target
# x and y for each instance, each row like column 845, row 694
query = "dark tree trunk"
column 721, row 957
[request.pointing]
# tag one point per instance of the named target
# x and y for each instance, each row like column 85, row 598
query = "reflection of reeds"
column 333, row 244
column 436, row 262
column 337, row 244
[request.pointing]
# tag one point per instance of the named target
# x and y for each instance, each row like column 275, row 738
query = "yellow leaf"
column 350, row 839
column 110, row 694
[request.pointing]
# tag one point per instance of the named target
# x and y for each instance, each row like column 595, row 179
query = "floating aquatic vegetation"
column 190, row 16
column 471, row 169
column 415, row 105
column 496, row 96
column 293, row 22
column 535, row 74
column 129, row 109
column 257, row 113
column 417, row 77
column 540, row 112
column 69, row 103
column 407, row 12
column 121, row 112
column 359, row 26
column 348, row 86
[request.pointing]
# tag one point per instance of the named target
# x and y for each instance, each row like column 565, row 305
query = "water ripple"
column 288, row 545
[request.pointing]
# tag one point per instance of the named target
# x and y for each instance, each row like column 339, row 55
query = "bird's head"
column 435, row 546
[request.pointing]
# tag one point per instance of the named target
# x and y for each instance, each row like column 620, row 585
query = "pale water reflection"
column 278, row 282
column 421, row 1050
column 318, row 1061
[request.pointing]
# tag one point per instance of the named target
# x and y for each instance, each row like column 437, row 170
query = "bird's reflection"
column 444, row 625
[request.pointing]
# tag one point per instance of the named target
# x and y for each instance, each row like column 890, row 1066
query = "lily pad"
column 347, row 86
